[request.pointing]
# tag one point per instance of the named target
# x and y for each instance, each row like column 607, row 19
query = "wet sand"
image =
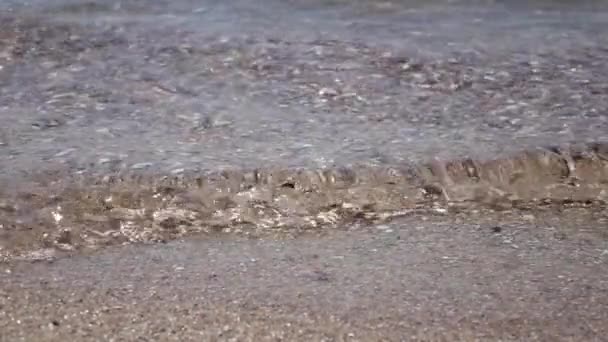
column 537, row 275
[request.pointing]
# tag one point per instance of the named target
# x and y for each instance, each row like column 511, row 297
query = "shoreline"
column 68, row 214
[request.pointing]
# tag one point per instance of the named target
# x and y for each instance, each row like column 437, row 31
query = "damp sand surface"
column 534, row 275
column 326, row 170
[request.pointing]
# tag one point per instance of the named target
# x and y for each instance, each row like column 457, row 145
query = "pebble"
column 46, row 123
column 105, row 131
column 5, row 206
column 139, row 166
column 384, row 228
column 440, row 210
column 328, row 92
column 65, row 152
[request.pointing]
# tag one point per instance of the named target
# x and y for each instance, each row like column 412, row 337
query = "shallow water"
column 171, row 86
column 145, row 121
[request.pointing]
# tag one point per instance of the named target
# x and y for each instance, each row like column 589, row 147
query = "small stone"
column 8, row 207
column 46, row 123
column 66, row 247
column 441, row 210
column 328, row 92
column 139, row 166
column 57, row 216
column 560, row 236
column 104, row 131
column 65, row 152
column 64, row 237
column 317, row 275
column 528, row 217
